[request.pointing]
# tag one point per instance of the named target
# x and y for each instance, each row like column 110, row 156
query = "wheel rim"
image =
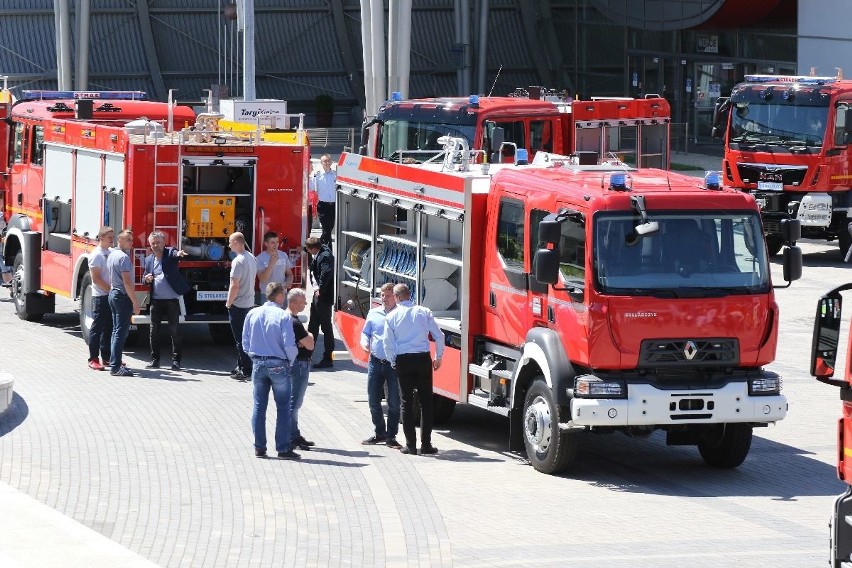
column 18, row 285
column 87, row 311
column 538, row 425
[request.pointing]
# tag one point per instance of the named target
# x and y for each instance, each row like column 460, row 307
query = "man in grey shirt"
column 240, row 299
column 122, row 300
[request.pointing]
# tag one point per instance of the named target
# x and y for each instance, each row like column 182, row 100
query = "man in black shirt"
column 301, row 368
column 322, row 273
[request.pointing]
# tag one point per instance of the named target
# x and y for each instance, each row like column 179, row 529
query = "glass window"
column 513, row 132
column 18, row 144
column 541, row 136
column 510, row 234
column 418, row 140
column 572, row 245
column 840, row 125
column 37, row 151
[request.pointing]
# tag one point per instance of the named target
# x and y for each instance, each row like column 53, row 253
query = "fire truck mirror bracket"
column 559, row 367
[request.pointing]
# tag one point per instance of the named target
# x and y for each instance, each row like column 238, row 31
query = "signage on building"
column 265, row 111
column 707, row 43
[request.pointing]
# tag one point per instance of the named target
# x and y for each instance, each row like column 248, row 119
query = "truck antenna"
column 494, row 84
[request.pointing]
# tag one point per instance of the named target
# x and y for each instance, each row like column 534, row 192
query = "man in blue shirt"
column 406, row 342
column 380, row 372
column 269, row 341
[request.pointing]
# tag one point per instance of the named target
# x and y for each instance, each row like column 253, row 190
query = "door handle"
column 492, row 299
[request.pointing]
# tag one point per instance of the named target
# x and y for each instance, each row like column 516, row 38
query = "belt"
column 119, row 291
column 382, row 361
column 420, row 354
column 267, row 357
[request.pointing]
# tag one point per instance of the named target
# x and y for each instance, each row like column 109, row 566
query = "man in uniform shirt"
column 273, row 265
column 240, row 299
column 122, row 300
column 406, row 343
column 100, row 332
column 269, row 340
column 324, row 183
column 380, row 372
column 167, row 286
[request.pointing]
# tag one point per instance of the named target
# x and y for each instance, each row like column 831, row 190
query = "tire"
column 221, row 333
column 86, row 308
column 549, row 448
column 726, row 446
column 18, row 297
column 773, row 244
column 442, row 408
column 844, row 241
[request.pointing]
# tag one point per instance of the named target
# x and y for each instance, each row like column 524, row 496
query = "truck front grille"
column 689, row 352
column 753, row 173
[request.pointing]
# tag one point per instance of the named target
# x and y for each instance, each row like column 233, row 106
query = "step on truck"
column 574, row 298
column 74, row 161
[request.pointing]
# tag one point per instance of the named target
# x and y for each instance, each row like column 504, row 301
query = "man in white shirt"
column 240, row 299
column 101, row 330
column 273, row 265
column 324, row 183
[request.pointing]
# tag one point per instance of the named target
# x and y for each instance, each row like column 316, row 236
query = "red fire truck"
column 786, row 144
column 574, row 297
column 535, row 119
column 73, row 161
column 826, row 342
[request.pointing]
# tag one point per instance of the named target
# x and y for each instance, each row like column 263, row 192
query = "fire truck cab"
column 533, row 119
column 574, row 297
column 74, row 161
column 787, row 142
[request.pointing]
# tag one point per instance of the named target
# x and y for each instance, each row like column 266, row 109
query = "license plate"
column 770, row 185
column 211, row 296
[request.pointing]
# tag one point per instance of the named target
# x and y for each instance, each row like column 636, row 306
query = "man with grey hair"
column 167, row 286
column 301, row 368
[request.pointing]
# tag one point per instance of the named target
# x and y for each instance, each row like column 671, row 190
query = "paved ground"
column 158, row 469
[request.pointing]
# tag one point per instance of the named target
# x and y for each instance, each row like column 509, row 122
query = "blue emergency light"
column 473, row 100
column 523, row 157
column 619, row 181
column 83, row 95
column 713, row 180
column 396, row 96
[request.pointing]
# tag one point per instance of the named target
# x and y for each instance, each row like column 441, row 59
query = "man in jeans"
column 240, row 299
column 269, row 340
column 100, row 332
column 301, row 368
column 122, row 300
column 167, row 286
column 380, row 372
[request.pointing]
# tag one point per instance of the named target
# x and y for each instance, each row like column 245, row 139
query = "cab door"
column 5, row 137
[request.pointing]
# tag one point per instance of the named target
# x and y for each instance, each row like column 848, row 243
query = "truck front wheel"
column 87, row 310
column 17, row 289
column 549, row 448
column 726, row 446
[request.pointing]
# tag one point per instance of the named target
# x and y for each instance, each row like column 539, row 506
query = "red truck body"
column 72, row 165
column 668, row 330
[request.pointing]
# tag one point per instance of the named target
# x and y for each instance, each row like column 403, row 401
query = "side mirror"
column 549, row 231
column 791, row 230
column 826, row 336
column 546, row 266
column 792, row 263
column 720, row 115
column 498, row 136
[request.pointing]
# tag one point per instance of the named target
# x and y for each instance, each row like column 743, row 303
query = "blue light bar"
column 713, row 180
column 803, row 79
column 473, row 100
column 523, row 157
column 396, row 96
column 98, row 95
column 620, row 181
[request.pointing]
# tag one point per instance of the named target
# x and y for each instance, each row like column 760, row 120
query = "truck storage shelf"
column 411, row 240
column 396, row 224
column 359, row 285
column 394, row 273
column 358, row 235
column 455, row 259
column 351, row 270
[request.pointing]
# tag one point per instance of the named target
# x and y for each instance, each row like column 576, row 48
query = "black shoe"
column 290, row 455
column 301, row 446
column 392, row 443
column 303, row 442
column 324, row 364
column 373, row 440
column 407, row 450
column 175, row 366
column 425, row 450
column 239, row 376
column 153, row 365
column 259, row 453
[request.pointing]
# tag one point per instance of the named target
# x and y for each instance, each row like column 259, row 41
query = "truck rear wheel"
column 549, row 448
column 726, row 446
column 87, row 309
column 18, row 296
column 774, row 242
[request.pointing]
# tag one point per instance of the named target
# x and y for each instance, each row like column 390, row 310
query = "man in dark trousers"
column 167, row 286
column 407, row 332
column 322, row 276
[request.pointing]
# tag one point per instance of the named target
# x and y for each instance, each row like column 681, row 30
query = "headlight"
column 764, row 386
column 589, row 386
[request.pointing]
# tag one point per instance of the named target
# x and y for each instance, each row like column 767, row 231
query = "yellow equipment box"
column 209, row 216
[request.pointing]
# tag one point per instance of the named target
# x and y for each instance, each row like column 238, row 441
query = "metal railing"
column 332, row 137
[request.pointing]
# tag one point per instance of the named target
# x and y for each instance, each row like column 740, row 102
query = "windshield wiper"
column 714, row 291
column 747, row 139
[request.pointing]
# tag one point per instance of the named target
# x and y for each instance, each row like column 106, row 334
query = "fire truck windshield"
column 695, row 254
column 778, row 116
column 417, row 140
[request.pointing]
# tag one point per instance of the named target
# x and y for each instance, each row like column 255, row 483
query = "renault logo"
column 690, row 350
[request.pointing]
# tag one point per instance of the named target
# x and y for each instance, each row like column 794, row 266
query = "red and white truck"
column 787, row 142
column 73, row 161
column 824, row 349
column 534, row 119
column 574, row 297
